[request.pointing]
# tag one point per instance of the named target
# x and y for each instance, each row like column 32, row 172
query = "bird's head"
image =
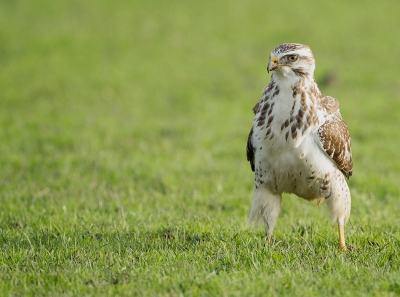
column 290, row 59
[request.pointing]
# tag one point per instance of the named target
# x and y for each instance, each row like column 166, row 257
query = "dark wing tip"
column 348, row 169
column 256, row 107
column 250, row 150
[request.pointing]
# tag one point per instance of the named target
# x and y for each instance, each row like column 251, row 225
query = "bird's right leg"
column 266, row 207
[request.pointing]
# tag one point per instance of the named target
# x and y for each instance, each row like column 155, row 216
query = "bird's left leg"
column 339, row 204
column 342, row 243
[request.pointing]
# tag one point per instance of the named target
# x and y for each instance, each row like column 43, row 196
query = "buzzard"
column 299, row 142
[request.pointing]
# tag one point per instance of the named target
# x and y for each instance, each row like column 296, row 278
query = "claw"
column 268, row 240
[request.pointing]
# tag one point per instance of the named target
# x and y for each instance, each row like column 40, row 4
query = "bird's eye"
column 292, row 58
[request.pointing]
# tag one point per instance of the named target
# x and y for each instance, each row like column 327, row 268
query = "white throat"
column 285, row 77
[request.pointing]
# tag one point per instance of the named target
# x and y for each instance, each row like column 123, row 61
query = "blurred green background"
column 164, row 90
column 133, row 115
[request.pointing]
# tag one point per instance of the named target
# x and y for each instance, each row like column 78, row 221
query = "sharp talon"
column 268, row 241
column 349, row 248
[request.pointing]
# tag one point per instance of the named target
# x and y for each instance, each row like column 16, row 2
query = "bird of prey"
column 299, row 142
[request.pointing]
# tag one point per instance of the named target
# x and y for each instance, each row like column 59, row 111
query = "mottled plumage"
column 299, row 142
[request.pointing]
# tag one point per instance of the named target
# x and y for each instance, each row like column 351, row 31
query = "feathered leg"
column 266, row 207
column 339, row 204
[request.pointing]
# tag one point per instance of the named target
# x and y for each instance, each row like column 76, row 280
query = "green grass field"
column 122, row 148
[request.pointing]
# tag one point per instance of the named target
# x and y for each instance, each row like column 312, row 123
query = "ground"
column 122, row 152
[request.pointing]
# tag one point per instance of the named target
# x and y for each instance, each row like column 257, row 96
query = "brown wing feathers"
column 335, row 140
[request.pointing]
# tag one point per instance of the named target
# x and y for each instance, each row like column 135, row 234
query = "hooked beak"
column 273, row 64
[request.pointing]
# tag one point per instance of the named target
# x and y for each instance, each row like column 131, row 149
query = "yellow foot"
column 268, row 240
column 342, row 244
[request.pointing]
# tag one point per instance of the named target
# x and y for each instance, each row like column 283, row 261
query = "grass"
column 122, row 152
